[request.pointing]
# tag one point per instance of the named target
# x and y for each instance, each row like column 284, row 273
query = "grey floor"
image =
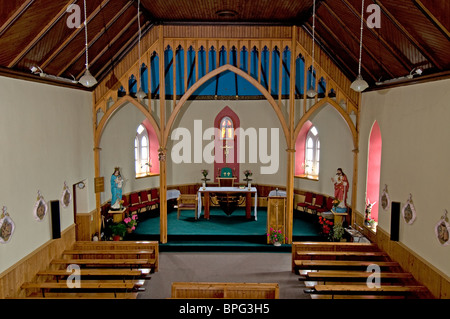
column 223, row 267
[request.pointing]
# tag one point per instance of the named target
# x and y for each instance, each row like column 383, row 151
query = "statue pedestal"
column 117, row 215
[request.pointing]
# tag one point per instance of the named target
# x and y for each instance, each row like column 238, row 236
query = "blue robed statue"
column 116, row 189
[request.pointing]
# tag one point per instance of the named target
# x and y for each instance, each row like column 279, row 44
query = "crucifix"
column 226, row 149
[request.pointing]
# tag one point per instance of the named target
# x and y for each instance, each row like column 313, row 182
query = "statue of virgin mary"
column 116, row 189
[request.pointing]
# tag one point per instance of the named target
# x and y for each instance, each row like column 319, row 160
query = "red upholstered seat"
column 328, row 206
column 135, row 204
column 318, row 203
column 308, row 201
column 154, row 196
column 144, row 199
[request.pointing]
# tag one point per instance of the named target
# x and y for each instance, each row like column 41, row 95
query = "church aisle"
column 223, row 267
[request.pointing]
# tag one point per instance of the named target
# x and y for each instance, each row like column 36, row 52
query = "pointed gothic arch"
column 219, row 70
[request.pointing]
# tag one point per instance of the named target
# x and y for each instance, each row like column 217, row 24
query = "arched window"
column 312, row 152
column 141, row 151
column 226, row 129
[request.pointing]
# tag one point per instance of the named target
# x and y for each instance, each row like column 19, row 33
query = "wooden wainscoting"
column 26, row 269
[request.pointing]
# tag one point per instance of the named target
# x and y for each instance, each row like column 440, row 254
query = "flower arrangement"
column 275, row 236
column 327, row 227
column 205, row 172
column 131, row 222
column 248, row 173
column 336, row 202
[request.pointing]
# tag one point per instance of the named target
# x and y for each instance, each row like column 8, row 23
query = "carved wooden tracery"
column 107, row 98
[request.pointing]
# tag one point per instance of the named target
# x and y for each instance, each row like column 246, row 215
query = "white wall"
column 415, row 160
column 336, row 145
column 46, row 139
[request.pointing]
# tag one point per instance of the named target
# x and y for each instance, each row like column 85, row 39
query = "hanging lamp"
column 140, row 93
column 87, row 79
column 359, row 84
column 312, row 92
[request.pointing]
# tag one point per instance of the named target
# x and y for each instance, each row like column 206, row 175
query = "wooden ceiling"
column 413, row 34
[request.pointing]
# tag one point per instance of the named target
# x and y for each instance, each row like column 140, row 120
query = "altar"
column 228, row 196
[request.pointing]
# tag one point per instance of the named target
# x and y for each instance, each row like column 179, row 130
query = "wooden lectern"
column 276, row 214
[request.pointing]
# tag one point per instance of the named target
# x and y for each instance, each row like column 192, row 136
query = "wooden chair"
column 318, row 204
column 225, row 177
column 143, row 195
column 135, row 204
column 187, row 202
column 307, row 202
column 154, row 196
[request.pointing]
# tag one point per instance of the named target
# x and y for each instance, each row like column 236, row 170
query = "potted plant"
column 118, row 230
column 276, row 237
column 131, row 223
column 338, row 232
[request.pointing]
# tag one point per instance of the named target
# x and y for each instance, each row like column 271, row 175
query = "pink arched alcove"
column 374, row 169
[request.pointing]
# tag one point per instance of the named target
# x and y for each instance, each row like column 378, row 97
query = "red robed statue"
column 341, row 186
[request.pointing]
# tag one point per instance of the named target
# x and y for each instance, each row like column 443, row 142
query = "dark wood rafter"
column 408, row 66
column 349, row 52
column 101, row 33
column 356, row 39
column 15, row 16
column 72, row 36
column 350, row 72
column 39, row 36
column 432, row 18
column 412, row 39
column 102, row 73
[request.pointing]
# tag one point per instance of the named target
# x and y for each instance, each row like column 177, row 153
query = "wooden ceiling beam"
column 408, row 66
column 350, row 53
column 432, row 18
column 73, row 35
column 95, row 38
column 416, row 43
column 39, row 36
column 114, row 40
column 341, row 63
column 99, row 75
column 15, row 16
column 356, row 39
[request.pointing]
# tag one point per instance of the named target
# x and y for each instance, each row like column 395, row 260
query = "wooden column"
column 97, row 193
column 162, row 150
column 355, row 163
column 291, row 141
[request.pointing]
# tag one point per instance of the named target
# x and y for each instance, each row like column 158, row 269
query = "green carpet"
column 221, row 224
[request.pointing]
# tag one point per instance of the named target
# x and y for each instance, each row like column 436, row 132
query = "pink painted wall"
column 373, row 169
column 154, row 146
column 300, row 144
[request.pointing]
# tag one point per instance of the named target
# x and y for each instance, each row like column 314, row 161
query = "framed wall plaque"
column 40, row 208
column 409, row 211
column 66, row 196
column 442, row 230
column 6, row 227
column 385, row 200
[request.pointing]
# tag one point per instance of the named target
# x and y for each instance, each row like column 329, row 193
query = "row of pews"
column 96, row 270
column 347, row 270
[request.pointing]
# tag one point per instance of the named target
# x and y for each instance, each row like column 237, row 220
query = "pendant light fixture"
column 312, row 92
column 359, row 84
column 140, row 93
column 87, row 79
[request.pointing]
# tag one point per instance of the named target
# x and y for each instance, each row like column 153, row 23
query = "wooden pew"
column 77, row 295
column 117, row 250
column 102, row 262
column 403, row 290
column 342, row 275
column 215, row 290
column 99, row 272
column 112, row 286
column 341, row 250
